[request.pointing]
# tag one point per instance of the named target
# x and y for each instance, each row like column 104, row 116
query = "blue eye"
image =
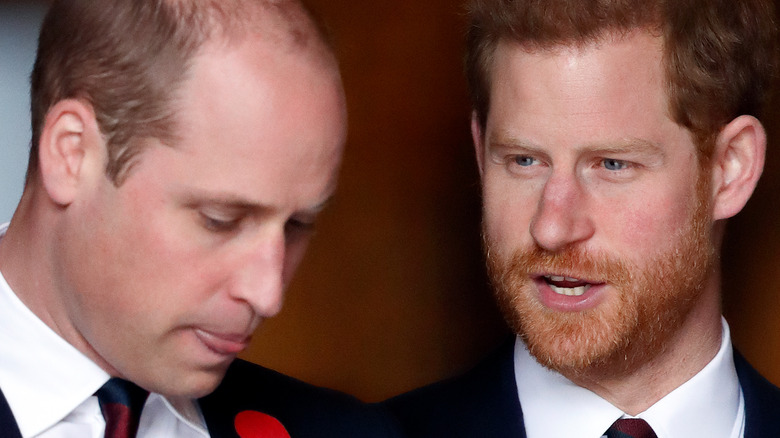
column 612, row 164
column 524, row 160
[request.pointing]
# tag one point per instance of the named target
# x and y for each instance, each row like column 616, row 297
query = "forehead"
column 233, row 85
column 616, row 82
column 252, row 116
column 636, row 55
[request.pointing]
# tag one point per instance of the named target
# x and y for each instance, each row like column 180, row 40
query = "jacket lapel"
column 8, row 424
column 500, row 385
column 762, row 401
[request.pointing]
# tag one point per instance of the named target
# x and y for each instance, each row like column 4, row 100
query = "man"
column 182, row 150
column 613, row 139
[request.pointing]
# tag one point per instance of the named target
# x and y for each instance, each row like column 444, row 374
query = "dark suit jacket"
column 484, row 402
column 304, row 410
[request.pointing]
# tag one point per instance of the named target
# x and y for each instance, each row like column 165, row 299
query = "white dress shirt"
column 710, row 404
column 50, row 385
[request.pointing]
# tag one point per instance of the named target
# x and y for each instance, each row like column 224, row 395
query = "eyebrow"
column 630, row 145
column 505, row 143
column 626, row 146
column 240, row 204
column 322, row 205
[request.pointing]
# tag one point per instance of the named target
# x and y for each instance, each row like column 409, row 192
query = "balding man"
column 182, row 151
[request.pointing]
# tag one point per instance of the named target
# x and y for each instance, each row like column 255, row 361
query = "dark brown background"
column 392, row 294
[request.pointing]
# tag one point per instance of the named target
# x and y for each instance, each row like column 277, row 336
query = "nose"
column 561, row 218
column 260, row 277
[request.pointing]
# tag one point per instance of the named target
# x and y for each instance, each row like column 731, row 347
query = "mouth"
column 567, row 286
column 223, row 344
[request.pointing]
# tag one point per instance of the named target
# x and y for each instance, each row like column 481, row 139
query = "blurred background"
column 18, row 38
column 392, row 294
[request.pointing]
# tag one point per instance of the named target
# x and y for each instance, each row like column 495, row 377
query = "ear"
column 737, row 163
column 477, row 137
column 70, row 147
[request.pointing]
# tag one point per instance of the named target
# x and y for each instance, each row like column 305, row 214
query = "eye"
column 298, row 225
column 614, row 165
column 524, row 160
column 218, row 224
column 298, row 230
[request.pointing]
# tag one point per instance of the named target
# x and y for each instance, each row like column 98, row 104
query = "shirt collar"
column 186, row 411
column 709, row 404
column 44, row 378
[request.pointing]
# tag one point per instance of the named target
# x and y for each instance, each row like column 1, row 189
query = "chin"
column 191, row 385
column 205, row 385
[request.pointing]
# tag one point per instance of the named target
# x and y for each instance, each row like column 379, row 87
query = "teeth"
column 562, row 278
column 569, row 291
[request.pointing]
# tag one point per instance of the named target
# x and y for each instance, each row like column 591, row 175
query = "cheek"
column 647, row 225
column 148, row 265
column 506, row 223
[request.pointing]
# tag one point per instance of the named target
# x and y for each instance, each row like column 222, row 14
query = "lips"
column 224, row 344
column 562, row 293
column 568, row 286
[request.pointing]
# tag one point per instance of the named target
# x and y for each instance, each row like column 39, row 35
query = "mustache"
column 593, row 267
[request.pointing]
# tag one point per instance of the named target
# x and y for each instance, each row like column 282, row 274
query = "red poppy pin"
column 253, row 424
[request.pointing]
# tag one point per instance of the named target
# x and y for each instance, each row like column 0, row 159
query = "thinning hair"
column 720, row 55
column 129, row 58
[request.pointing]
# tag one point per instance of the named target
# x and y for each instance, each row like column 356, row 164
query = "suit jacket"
column 304, row 410
column 484, row 402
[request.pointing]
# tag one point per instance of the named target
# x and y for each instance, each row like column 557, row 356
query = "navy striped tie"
column 630, row 428
column 121, row 403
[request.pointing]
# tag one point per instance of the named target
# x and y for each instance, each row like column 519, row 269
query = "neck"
column 693, row 346
column 24, row 257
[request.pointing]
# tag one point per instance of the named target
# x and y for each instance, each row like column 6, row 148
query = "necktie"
column 630, row 428
column 121, row 403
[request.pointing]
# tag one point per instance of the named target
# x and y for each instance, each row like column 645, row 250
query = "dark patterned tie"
column 121, row 403
column 630, row 428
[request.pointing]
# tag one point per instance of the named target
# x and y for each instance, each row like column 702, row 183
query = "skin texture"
column 163, row 279
column 586, row 176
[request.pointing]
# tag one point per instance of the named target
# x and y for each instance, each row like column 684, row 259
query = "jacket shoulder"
column 762, row 401
column 303, row 409
column 482, row 402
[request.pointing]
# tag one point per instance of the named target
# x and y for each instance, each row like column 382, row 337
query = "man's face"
column 597, row 216
column 168, row 275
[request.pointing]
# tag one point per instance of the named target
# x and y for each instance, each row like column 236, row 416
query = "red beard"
column 646, row 304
